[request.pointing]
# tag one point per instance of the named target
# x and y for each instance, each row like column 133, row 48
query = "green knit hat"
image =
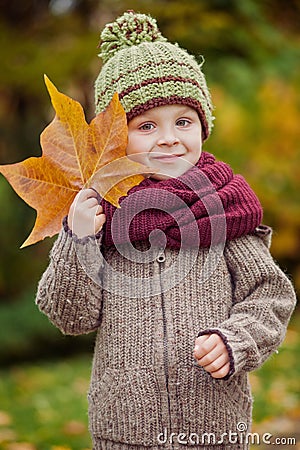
column 148, row 71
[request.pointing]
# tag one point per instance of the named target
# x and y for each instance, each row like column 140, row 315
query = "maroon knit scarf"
column 207, row 205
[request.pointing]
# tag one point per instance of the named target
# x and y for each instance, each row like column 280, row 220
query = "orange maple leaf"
column 75, row 155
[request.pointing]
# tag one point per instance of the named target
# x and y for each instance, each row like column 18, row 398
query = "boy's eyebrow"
column 141, row 116
column 181, row 109
column 147, row 115
column 186, row 109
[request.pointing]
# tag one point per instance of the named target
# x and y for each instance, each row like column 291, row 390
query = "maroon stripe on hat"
column 149, row 64
column 157, row 80
column 172, row 100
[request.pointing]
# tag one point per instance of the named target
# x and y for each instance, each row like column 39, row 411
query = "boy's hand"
column 211, row 353
column 86, row 215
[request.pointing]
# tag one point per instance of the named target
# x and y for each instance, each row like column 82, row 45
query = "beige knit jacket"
column 145, row 384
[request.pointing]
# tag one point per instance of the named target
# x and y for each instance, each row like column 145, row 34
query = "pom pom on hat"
column 128, row 30
column 147, row 71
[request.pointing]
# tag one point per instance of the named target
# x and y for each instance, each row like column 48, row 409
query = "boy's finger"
column 99, row 210
column 99, row 222
column 202, row 347
column 222, row 372
column 206, row 343
column 216, row 364
column 85, row 194
column 210, row 357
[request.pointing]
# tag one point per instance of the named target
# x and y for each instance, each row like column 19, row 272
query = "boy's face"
column 166, row 138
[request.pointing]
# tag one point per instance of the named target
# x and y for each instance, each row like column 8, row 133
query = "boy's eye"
column 146, row 126
column 183, row 122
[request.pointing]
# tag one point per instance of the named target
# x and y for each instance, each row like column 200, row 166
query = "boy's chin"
column 165, row 172
column 161, row 177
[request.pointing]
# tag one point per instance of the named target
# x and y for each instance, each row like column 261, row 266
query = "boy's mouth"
column 166, row 157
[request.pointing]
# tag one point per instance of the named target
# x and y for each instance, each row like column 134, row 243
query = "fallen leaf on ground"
column 6, row 434
column 74, row 428
column 20, row 446
column 5, row 418
column 60, row 447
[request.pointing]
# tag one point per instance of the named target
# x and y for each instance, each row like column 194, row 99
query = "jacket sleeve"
column 263, row 301
column 69, row 292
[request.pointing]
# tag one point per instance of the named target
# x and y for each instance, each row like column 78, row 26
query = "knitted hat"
column 148, row 71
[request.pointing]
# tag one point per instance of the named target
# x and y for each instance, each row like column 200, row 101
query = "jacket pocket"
column 124, row 406
column 208, row 405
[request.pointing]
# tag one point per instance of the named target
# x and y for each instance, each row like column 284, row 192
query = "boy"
column 174, row 345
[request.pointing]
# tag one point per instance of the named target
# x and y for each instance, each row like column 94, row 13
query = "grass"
column 43, row 404
column 276, row 391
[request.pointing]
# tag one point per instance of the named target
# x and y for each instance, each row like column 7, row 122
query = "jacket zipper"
column 161, row 259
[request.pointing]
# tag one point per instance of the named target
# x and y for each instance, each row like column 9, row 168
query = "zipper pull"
column 161, row 257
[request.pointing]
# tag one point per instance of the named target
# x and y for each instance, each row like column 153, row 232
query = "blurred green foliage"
column 28, row 335
column 252, row 53
column 49, row 408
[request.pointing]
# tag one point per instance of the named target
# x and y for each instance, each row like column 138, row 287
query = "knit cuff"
column 82, row 240
column 228, row 348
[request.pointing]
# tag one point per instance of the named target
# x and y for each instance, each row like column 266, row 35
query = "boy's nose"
column 168, row 139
